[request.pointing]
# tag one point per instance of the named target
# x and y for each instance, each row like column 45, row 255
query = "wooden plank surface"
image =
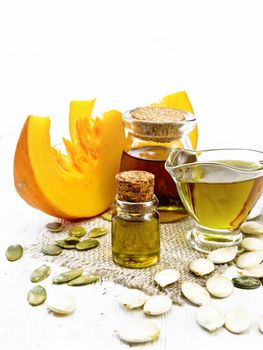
column 97, row 314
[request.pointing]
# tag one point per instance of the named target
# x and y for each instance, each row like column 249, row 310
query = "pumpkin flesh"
column 77, row 184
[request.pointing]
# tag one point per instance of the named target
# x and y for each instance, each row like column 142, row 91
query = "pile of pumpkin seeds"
column 37, row 295
column 60, row 304
column 208, row 316
column 64, row 304
column 73, row 241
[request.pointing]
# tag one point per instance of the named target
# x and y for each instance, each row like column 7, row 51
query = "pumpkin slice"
column 80, row 183
column 181, row 101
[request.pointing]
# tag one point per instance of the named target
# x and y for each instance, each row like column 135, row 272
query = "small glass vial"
column 135, row 221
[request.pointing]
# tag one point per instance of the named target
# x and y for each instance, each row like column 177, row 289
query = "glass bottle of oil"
column 135, row 221
column 151, row 134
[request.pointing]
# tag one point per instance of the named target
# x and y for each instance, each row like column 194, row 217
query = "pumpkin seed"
column 210, row 317
column 195, row 293
column 61, row 304
column 77, row 231
column 157, row 305
column 237, row 321
column 65, row 245
column 54, row 227
column 132, row 298
column 40, row 273
column 67, row 276
column 98, row 232
column 51, row 249
column 36, row 296
column 222, row 255
column 260, row 324
column 219, row 286
column 166, row 277
column 246, row 282
column 249, row 259
column 83, row 280
column 72, row 240
column 107, row 215
column 253, row 271
column 252, row 228
column 14, row 252
column 138, row 331
column 201, row 267
column 252, row 244
column 87, row 244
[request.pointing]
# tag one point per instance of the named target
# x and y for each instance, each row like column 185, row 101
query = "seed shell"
column 246, row 282
column 252, row 228
column 87, row 244
column 251, row 244
column 210, row 317
column 237, row 321
column 248, row 259
column 195, row 293
column 65, row 245
column 98, row 232
column 54, row 227
column 132, row 299
column 83, row 280
column 61, row 304
column 107, row 215
column 219, row 286
column 40, row 273
column 222, row 255
column 157, row 305
column 51, row 249
column 253, row 271
column 36, row 296
column 166, row 277
column 138, row 331
column 201, row 267
column 14, row 252
column 67, row 276
column 72, row 240
column 77, row 231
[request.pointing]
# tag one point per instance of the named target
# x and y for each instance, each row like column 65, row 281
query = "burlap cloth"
column 176, row 253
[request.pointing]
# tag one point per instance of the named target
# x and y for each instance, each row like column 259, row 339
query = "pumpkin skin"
column 78, row 184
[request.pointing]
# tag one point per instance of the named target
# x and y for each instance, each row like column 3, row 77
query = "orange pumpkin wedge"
column 181, row 101
column 80, row 183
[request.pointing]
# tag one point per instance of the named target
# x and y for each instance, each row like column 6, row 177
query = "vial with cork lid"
column 135, row 221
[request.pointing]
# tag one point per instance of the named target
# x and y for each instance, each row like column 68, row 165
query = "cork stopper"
column 159, row 124
column 158, row 114
column 135, row 186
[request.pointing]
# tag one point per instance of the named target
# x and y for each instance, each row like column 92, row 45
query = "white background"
column 129, row 53
column 125, row 53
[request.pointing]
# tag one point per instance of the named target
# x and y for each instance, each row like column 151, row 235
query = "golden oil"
column 135, row 239
column 135, row 221
column 219, row 199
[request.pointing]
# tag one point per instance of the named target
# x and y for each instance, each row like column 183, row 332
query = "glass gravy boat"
column 219, row 188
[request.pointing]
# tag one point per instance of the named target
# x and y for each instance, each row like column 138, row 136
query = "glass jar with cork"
column 135, row 221
column 151, row 134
